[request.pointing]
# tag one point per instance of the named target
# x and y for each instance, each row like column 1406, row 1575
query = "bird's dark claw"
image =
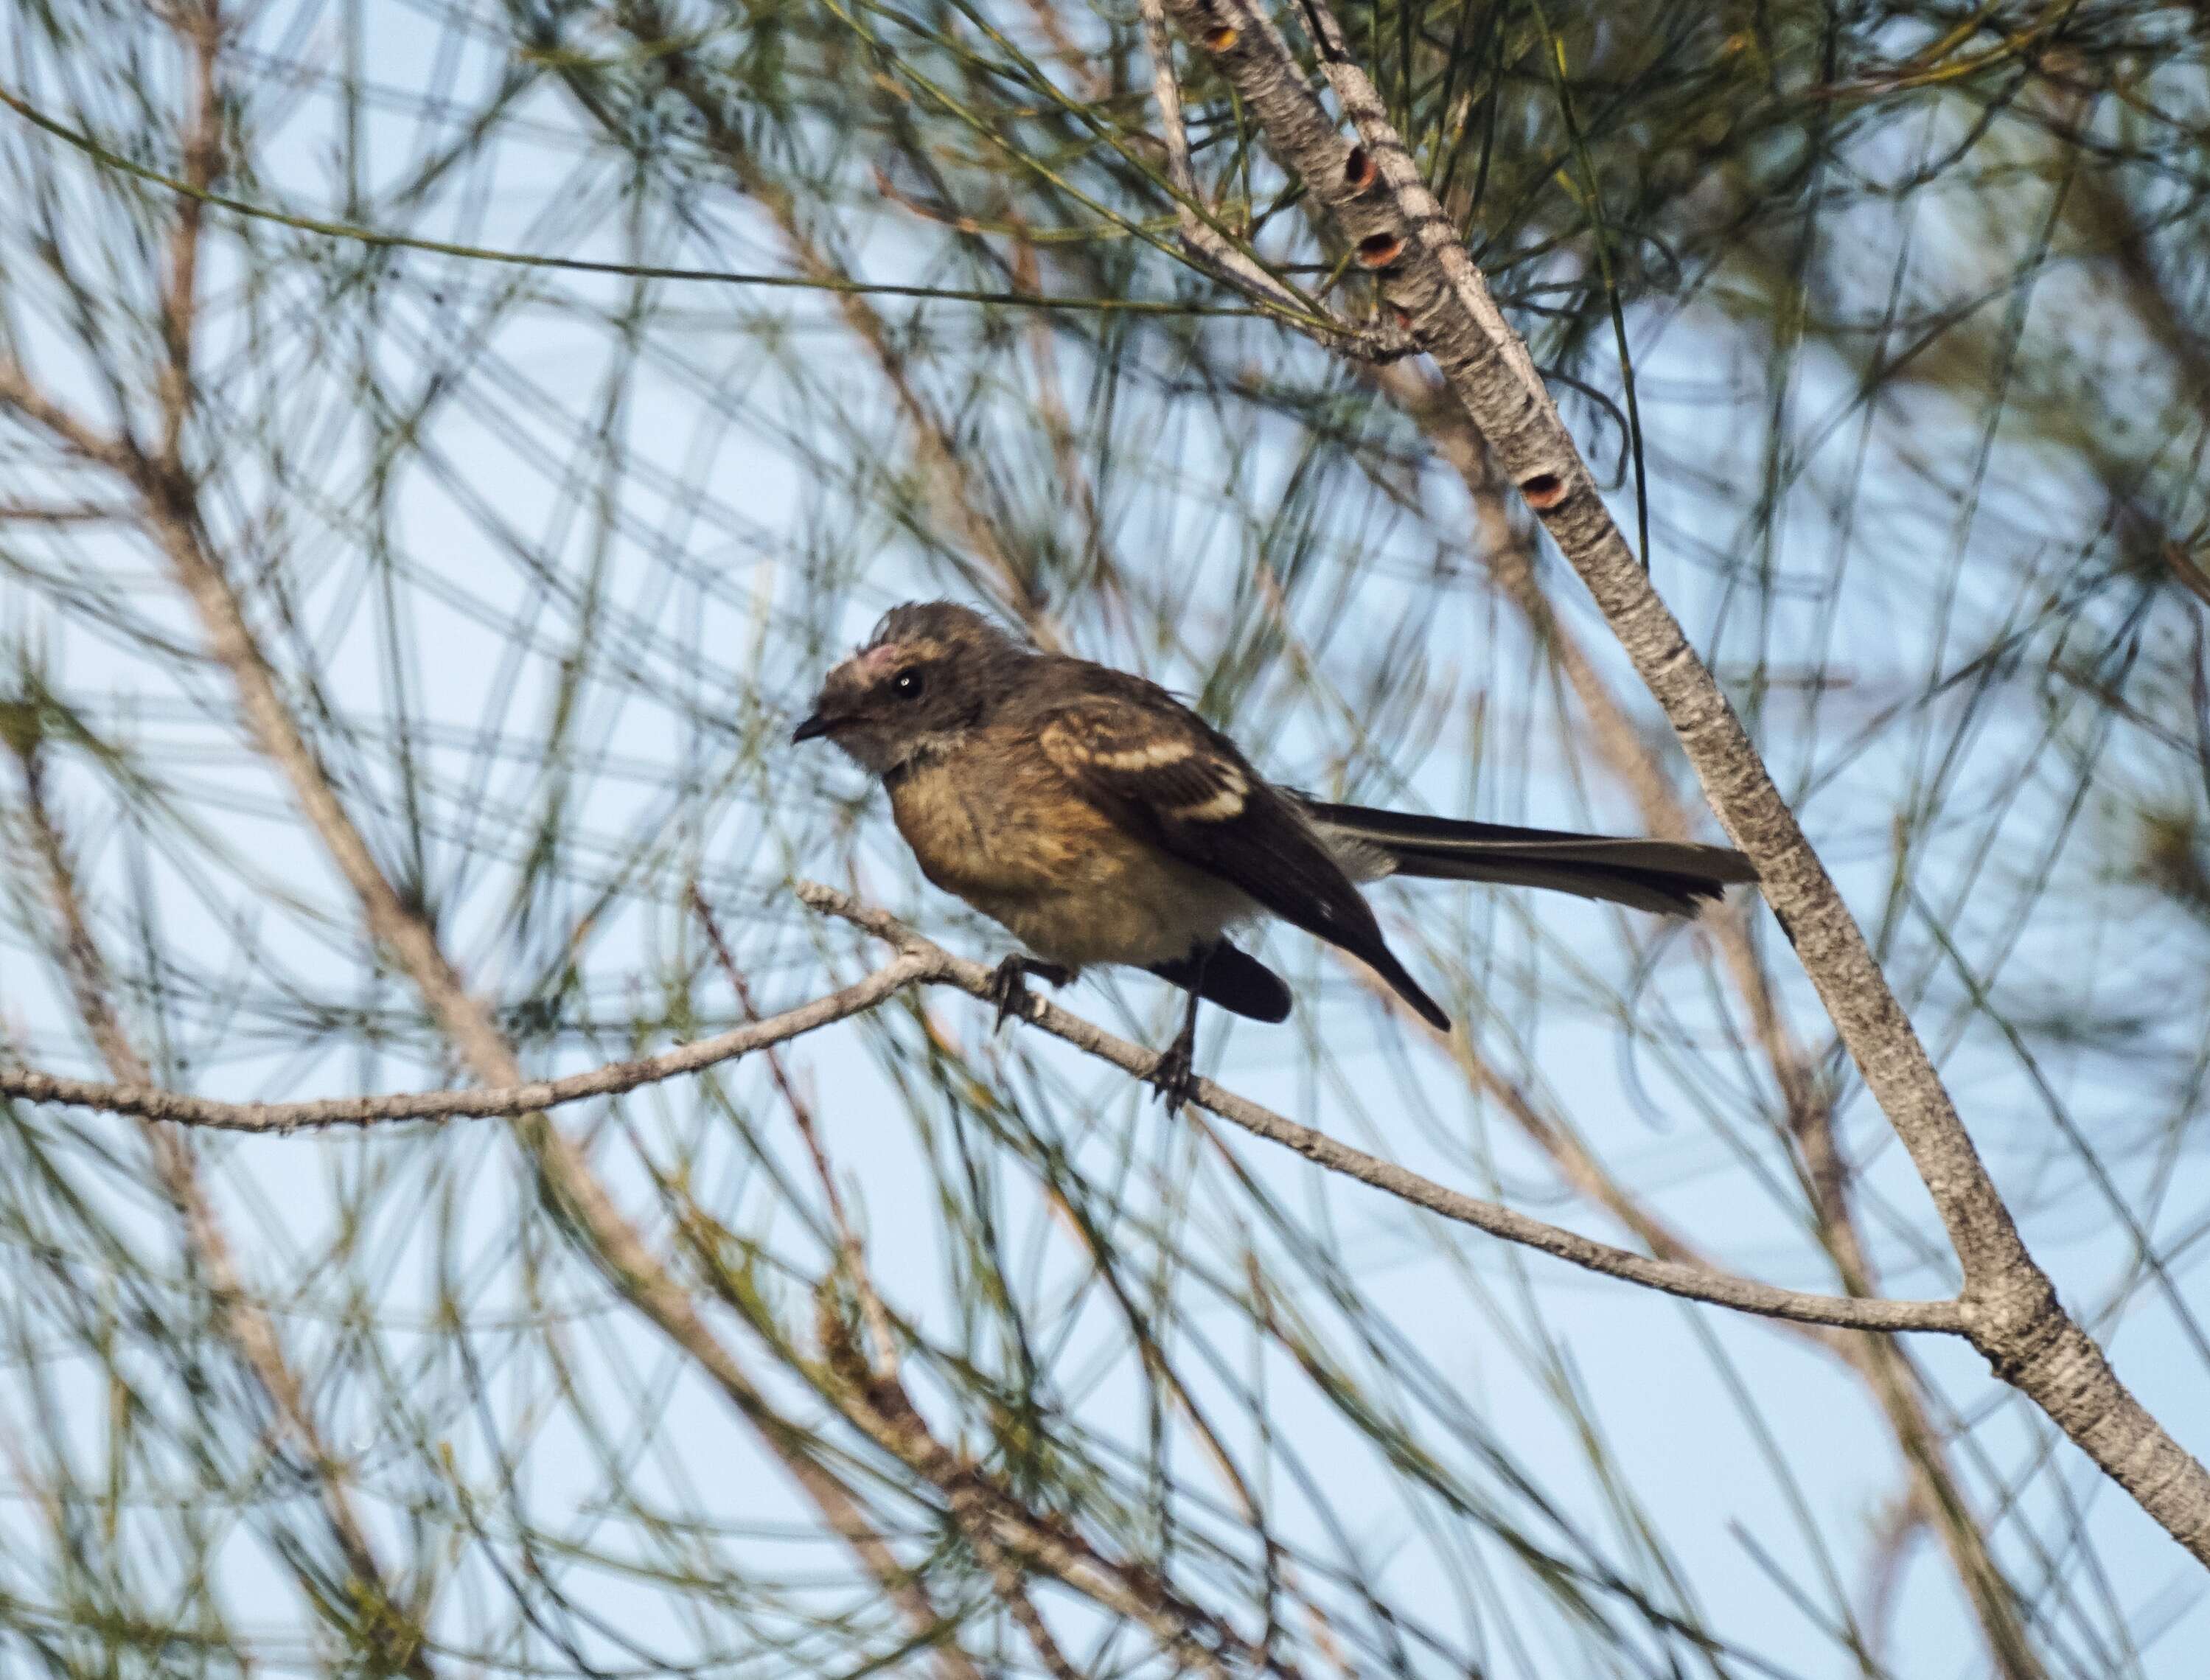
column 1175, row 1073
column 1009, row 984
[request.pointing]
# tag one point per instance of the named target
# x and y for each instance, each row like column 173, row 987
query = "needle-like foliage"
column 442, row 444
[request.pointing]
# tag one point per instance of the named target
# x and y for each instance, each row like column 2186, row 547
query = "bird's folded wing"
column 1161, row 772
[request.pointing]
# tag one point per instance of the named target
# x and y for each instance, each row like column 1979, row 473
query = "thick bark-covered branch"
column 1374, row 191
column 1631, row 758
column 1212, row 248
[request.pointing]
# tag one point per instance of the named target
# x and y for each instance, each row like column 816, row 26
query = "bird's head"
column 926, row 676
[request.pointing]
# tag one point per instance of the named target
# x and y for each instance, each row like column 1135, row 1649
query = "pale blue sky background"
column 662, row 749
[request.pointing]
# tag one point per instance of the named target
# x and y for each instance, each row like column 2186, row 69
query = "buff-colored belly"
column 1072, row 887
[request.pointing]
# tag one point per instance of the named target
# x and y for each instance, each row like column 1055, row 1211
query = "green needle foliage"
column 557, row 387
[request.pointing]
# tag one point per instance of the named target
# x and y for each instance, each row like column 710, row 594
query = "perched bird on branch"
column 1101, row 820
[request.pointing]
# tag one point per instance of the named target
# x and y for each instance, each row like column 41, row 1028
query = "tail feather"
column 1383, row 961
column 1670, row 877
column 1239, row 981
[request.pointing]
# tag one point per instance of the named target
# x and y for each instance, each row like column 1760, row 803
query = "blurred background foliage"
column 560, row 387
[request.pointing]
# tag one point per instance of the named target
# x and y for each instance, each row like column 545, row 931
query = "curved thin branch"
column 483, row 1103
column 1692, row 1282
column 920, row 962
column 388, row 239
column 1212, row 248
column 377, row 1619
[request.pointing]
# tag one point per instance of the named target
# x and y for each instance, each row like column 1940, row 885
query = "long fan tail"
column 1669, row 877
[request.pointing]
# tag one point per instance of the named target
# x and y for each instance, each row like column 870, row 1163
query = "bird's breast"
column 993, row 831
column 1008, row 834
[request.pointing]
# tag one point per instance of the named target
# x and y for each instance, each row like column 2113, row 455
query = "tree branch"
column 918, row 961
column 502, row 1101
column 1627, row 754
column 170, row 513
column 1692, row 1282
column 1211, row 247
column 1378, row 198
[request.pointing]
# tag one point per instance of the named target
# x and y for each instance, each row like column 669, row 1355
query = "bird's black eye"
column 907, row 685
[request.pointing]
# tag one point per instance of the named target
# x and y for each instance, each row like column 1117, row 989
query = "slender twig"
column 1626, row 753
column 884, row 1356
column 1210, row 247
column 1003, row 1527
column 71, row 513
column 19, row 391
column 944, row 476
column 1694, row 1282
column 201, row 23
column 386, row 239
column 170, row 512
column 920, row 962
column 505, row 1102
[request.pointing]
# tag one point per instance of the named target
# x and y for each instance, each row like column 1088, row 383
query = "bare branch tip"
column 826, row 900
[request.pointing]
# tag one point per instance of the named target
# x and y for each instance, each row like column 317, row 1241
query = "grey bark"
column 1373, row 193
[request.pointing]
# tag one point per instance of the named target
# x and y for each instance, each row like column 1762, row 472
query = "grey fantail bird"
column 1101, row 820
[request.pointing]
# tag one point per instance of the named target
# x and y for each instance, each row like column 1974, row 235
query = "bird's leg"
column 1175, row 1073
column 1009, row 985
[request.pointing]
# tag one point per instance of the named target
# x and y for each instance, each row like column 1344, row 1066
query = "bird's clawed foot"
column 1175, row 1073
column 1009, row 985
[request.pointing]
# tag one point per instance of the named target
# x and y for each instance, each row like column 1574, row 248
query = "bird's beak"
column 814, row 727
